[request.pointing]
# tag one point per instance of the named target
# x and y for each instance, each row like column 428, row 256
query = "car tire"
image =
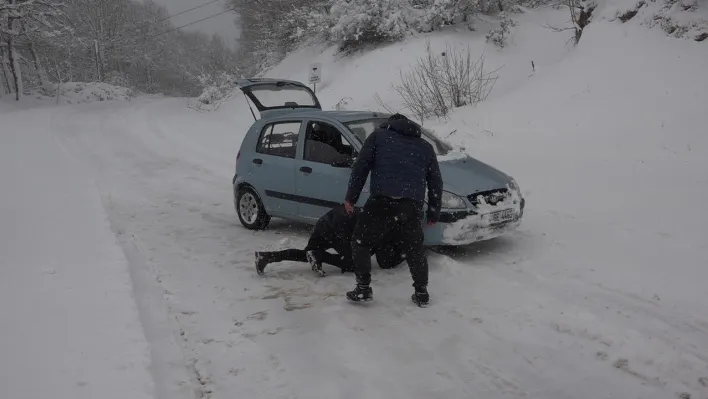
column 250, row 209
column 388, row 258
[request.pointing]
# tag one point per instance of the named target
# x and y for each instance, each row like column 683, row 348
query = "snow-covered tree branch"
column 124, row 42
column 273, row 28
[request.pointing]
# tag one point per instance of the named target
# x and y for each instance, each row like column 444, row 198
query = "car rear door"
column 275, row 96
column 274, row 163
column 319, row 184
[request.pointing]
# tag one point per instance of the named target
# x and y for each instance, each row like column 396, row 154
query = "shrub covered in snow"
column 500, row 35
column 370, row 21
column 273, row 28
column 681, row 18
column 307, row 22
column 217, row 89
column 686, row 19
column 80, row 92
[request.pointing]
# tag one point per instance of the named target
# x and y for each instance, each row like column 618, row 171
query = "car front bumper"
column 466, row 231
column 464, row 228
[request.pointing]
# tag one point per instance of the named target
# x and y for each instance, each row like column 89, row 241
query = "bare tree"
column 5, row 63
column 23, row 20
column 440, row 82
column 272, row 28
column 127, row 43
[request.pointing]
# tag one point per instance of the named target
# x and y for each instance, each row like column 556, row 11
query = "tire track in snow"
column 160, row 216
column 168, row 364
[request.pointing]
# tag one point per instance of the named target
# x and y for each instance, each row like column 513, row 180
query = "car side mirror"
column 343, row 162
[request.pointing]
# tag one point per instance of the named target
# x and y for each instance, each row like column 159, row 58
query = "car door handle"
column 258, row 161
column 306, row 169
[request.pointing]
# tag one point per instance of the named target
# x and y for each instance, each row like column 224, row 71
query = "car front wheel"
column 250, row 209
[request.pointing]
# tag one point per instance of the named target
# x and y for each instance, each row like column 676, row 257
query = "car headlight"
column 514, row 185
column 452, row 201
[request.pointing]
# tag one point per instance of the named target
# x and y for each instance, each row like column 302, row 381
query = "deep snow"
column 599, row 294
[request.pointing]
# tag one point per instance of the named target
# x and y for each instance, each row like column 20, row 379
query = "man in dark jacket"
column 332, row 231
column 401, row 163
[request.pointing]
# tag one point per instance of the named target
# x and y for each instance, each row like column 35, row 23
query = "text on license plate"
column 501, row 216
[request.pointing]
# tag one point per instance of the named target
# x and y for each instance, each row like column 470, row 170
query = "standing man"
column 401, row 163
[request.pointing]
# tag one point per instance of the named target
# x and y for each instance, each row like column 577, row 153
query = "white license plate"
column 502, row 216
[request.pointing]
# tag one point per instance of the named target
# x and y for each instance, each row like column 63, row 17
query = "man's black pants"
column 320, row 241
column 380, row 216
column 299, row 255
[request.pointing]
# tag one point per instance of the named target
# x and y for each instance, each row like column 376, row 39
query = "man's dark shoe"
column 315, row 263
column 261, row 263
column 360, row 293
column 420, row 297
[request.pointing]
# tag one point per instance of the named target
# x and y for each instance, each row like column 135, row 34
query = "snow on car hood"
column 464, row 175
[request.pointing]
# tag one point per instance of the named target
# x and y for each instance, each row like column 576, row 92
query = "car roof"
column 341, row 116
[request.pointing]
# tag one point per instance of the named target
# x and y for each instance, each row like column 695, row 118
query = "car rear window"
column 277, row 97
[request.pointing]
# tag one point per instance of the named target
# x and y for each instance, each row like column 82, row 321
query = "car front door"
column 274, row 166
column 322, row 175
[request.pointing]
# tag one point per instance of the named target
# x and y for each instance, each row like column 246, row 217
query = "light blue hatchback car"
column 294, row 163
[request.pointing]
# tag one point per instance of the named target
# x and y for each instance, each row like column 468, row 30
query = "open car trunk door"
column 277, row 94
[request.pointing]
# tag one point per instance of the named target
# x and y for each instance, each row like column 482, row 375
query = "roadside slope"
column 356, row 78
column 610, row 149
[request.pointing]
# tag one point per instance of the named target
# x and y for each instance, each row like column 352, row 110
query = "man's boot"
column 362, row 292
column 420, row 297
column 315, row 262
column 261, row 263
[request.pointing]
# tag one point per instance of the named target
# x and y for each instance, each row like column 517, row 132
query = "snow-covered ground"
column 70, row 325
column 600, row 294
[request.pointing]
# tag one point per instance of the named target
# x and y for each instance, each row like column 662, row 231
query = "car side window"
column 279, row 139
column 324, row 143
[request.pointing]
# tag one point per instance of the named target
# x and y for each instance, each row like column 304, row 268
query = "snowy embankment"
column 598, row 295
column 68, row 93
column 70, row 325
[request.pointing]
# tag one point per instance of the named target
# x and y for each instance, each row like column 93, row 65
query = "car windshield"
column 363, row 128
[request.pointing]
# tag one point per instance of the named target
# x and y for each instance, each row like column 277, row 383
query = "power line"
column 142, row 24
column 186, row 11
column 137, row 35
column 191, row 23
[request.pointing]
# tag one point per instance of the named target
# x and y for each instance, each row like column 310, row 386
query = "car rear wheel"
column 250, row 209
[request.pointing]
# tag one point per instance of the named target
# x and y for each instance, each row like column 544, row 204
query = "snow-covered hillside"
column 600, row 293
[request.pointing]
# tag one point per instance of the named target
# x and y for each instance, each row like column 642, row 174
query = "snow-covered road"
column 70, row 325
column 565, row 308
